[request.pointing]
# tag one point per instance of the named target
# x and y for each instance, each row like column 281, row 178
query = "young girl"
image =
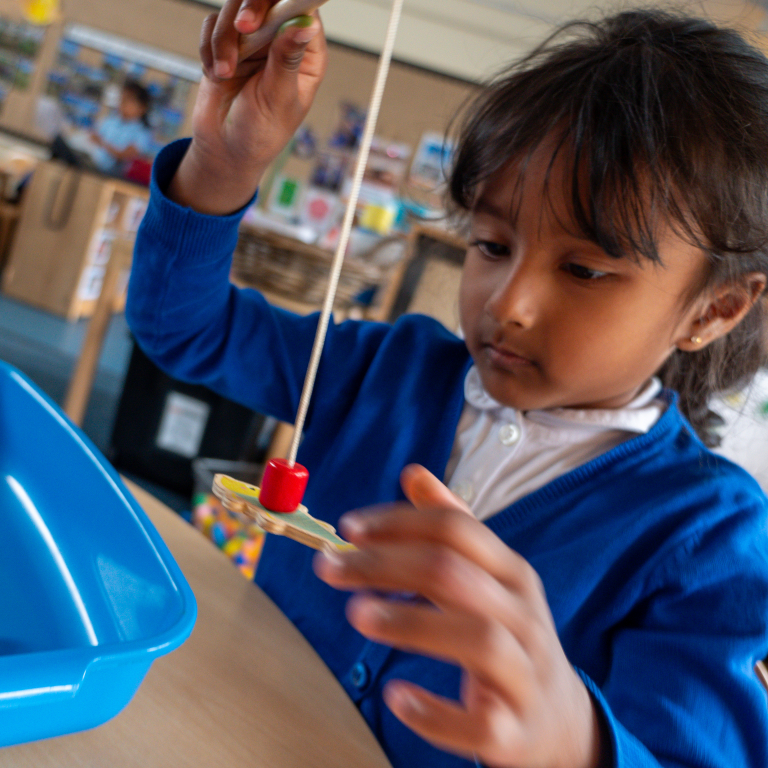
column 600, row 596
column 126, row 135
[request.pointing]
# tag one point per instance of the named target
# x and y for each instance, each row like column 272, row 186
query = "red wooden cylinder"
column 283, row 485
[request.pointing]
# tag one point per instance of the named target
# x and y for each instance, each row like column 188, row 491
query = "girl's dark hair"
column 660, row 118
column 142, row 95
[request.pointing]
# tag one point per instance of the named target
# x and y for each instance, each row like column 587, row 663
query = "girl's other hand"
column 246, row 112
column 522, row 704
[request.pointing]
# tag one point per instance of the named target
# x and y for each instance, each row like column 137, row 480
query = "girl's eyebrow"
column 488, row 207
column 483, row 205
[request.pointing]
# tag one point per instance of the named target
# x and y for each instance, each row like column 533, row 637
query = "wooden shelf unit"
column 69, row 220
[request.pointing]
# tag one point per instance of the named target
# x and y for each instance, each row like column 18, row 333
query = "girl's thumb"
column 425, row 491
column 287, row 49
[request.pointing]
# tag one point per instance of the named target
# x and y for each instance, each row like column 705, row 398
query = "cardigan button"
column 464, row 490
column 359, row 675
column 509, row 434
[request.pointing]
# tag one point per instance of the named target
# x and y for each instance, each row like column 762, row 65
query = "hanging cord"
column 346, row 228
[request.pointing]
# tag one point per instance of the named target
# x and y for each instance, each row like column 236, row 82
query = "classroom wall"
column 415, row 99
column 472, row 38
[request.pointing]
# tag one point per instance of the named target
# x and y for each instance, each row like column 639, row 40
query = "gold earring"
column 696, row 339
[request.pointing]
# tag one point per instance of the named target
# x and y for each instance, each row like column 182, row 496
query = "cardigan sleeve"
column 198, row 327
column 682, row 690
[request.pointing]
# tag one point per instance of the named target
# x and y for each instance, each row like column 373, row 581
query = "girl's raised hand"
column 522, row 704
column 246, row 112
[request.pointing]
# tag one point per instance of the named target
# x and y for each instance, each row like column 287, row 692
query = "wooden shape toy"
column 243, row 499
column 284, row 480
column 277, row 15
column 283, row 485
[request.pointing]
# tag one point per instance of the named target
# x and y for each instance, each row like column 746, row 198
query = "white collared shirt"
column 501, row 454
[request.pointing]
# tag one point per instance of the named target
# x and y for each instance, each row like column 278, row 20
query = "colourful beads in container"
column 239, row 539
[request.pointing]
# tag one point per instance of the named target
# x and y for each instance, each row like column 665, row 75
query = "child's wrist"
column 598, row 750
column 208, row 186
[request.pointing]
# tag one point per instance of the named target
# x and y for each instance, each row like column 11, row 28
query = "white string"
column 346, row 227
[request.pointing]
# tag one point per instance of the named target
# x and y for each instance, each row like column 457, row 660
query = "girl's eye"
column 490, row 249
column 583, row 273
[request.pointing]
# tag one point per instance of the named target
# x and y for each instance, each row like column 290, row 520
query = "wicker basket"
column 272, row 262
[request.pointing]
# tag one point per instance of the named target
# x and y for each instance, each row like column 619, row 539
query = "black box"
column 162, row 425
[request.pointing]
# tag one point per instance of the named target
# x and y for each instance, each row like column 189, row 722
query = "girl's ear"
column 723, row 310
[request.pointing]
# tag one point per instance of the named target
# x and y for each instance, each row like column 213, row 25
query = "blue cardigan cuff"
column 623, row 750
column 203, row 235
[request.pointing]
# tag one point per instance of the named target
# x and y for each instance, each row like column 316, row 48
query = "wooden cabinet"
column 68, row 224
column 431, row 275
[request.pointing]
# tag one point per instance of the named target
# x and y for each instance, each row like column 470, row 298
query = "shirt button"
column 359, row 675
column 464, row 490
column 509, row 434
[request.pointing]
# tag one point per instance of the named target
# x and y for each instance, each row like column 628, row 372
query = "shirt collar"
column 637, row 416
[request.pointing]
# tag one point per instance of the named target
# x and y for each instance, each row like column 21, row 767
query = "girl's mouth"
column 500, row 357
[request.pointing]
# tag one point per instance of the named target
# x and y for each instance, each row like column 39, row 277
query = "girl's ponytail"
column 725, row 365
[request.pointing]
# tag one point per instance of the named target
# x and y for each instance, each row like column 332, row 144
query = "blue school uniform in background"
column 120, row 134
column 654, row 556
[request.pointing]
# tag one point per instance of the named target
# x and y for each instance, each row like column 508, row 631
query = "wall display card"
column 112, row 211
column 91, row 281
column 182, row 424
column 122, row 282
column 19, row 46
column 319, row 209
column 101, row 247
column 432, row 161
column 284, row 196
column 135, row 208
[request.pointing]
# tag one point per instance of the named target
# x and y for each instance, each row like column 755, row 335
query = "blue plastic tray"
column 89, row 594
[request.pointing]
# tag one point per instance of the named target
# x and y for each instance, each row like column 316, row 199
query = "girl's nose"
column 518, row 298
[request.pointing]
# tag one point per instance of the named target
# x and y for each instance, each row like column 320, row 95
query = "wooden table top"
column 246, row 689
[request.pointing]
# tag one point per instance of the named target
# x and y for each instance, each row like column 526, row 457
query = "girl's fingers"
column 250, row 16
column 449, row 528
column 281, row 80
column 483, row 732
column 224, row 40
column 248, row 68
column 425, row 491
column 206, row 51
column 443, row 577
column 313, row 63
column 440, row 575
column 485, row 648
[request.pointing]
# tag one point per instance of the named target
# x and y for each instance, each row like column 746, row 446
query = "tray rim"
column 76, row 661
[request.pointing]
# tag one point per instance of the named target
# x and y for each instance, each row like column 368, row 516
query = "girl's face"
column 130, row 107
column 549, row 318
